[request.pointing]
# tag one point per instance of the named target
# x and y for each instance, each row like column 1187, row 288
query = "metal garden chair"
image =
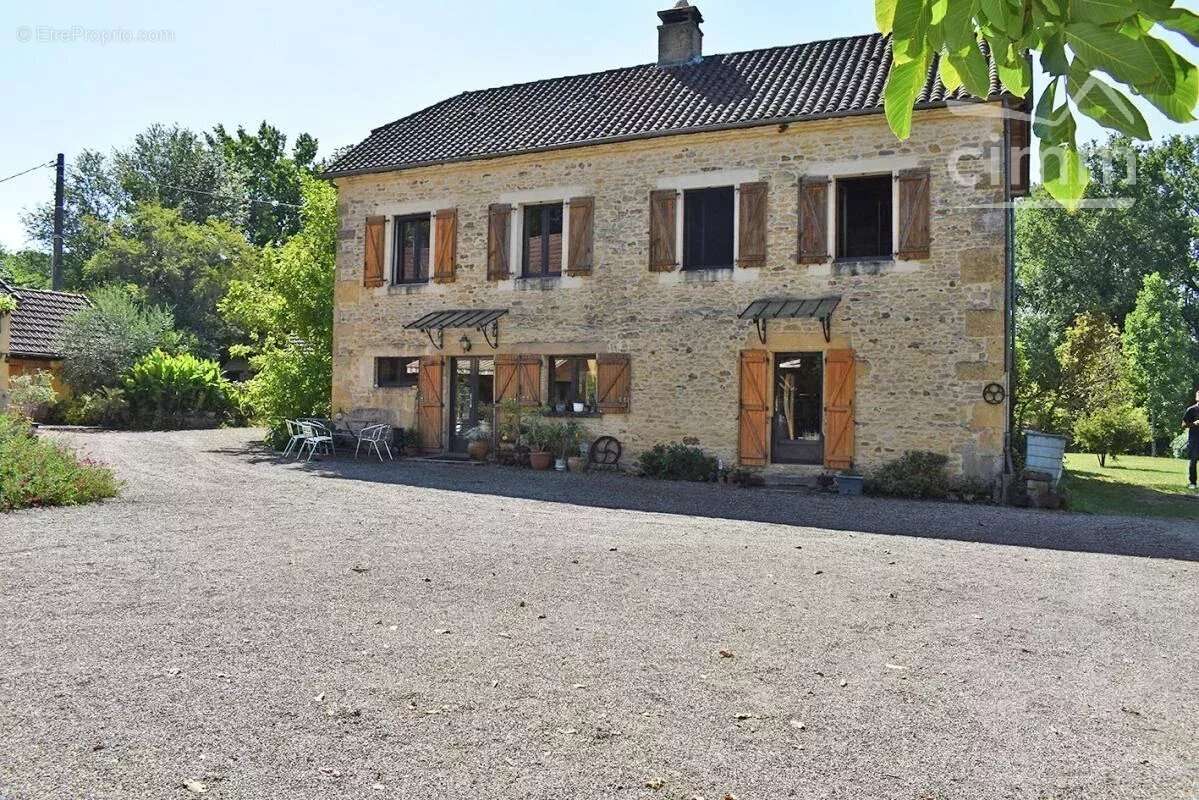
column 316, row 435
column 294, row 434
column 373, row 436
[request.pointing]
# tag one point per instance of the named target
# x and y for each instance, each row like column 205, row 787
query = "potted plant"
column 478, row 441
column 541, row 436
column 572, row 435
column 578, row 407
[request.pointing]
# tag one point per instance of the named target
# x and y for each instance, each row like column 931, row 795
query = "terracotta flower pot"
column 576, row 463
column 478, row 450
column 541, row 459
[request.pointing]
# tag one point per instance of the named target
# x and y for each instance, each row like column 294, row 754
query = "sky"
column 91, row 75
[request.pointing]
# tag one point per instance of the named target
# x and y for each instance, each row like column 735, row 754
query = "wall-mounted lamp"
column 465, row 343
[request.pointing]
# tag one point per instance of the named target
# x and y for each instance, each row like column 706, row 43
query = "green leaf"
column 910, row 28
column 1101, row 12
column 884, row 15
column 959, row 24
column 1042, row 119
column 1063, row 174
column 949, row 75
column 1002, row 17
column 899, row 96
column 971, row 65
column 1016, row 79
column 1104, row 104
column 1124, row 58
column 1053, row 55
column 1182, row 20
column 1175, row 88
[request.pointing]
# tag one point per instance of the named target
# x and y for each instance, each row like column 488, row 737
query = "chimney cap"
column 682, row 11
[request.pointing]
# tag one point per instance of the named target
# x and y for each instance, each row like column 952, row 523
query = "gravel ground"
column 267, row 630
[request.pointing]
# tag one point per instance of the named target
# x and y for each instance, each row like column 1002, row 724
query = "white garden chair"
column 295, row 436
column 373, row 436
column 316, row 436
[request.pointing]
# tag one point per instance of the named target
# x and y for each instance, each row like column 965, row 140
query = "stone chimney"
column 680, row 41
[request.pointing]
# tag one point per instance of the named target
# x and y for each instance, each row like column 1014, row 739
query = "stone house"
column 29, row 335
column 732, row 251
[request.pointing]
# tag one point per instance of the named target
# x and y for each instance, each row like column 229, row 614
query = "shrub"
column 1181, row 446
column 676, row 461
column 103, row 341
column 916, row 474
column 175, row 391
column 34, row 472
column 31, row 395
column 1113, row 431
column 105, row 407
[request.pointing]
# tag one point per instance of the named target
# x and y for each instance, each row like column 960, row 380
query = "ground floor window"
column 392, row 371
column 573, row 380
column 797, row 427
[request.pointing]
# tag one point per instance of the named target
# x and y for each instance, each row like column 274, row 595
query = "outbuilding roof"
column 836, row 77
column 38, row 320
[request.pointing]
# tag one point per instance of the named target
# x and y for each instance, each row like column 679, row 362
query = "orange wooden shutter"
column 528, row 380
column 813, row 219
column 754, row 416
column 499, row 253
column 838, row 409
column 913, row 214
column 751, row 238
column 582, row 236
column 429, row 403
column 445, row 253
column 505, row 377
column 662, row 208
column 613, row 383
column 372, row 265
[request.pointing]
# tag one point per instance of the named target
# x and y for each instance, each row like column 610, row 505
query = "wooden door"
column 754, row 413
column 430, row 404
column 838, row 409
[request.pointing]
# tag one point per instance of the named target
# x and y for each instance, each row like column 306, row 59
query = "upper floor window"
column 864, row 217
column 542, row 251
column 410, row 254
column 708, row 228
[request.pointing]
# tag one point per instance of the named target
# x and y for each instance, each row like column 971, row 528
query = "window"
column 410, row 255
column 864, row 217
column 573, row 380
column 708, row 228
column 394, row 372
column 542, row 240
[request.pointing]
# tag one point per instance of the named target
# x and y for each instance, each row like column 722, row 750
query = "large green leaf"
column 959, row 24
column 909, row 29
column 1184, row 21
column 899, row 96
column 949, row 75
column 971, row 65
column 1124, row 58
column 1016, row 78
column 1105, row 104
column 884, row 15
column 1042, row 119
column 1053, row 55
column 1063, row 174
column 1175, row 87
column 1101, row 12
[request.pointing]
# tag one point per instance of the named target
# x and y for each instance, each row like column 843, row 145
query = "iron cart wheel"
column 994, row 394
column 605, row 450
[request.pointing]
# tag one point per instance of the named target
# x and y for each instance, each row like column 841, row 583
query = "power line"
column 27, row 171
column 218, row 195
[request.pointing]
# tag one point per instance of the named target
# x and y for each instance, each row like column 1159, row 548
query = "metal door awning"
column 486, row 321
column 768, row 308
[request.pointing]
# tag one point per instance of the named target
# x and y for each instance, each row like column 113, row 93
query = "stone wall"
column 928, row 335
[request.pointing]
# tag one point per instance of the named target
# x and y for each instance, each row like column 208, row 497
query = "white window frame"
column 862, row 169
column 708, row 180
column 538, row 197
column 389, row 213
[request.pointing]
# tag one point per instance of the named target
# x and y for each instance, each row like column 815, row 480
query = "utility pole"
column 56, row 262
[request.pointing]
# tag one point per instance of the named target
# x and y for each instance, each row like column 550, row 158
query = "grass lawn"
column 1132, row 485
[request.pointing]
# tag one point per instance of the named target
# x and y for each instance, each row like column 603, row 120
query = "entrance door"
column 796, row 427
column 472, row 398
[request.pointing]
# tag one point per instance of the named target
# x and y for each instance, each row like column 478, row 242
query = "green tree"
column 182, row 265
column 1077, row 42
column 102, row 341
column 286, row 308
column 1157, row 347
column 1112, row 431
column 265, row 170
column 29, row 268
column 1094, row 372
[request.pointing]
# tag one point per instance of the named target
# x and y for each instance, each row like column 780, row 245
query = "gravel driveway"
column 263, row 630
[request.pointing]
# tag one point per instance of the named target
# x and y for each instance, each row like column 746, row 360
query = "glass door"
column 797, row 425
column 472, row 397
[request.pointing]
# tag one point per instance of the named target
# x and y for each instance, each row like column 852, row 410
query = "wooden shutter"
column 754, row 415
column 913, row 214
column 445, row 251
column 528, row 380
column 612, row 383
column 430, row 404
column 838, row 409
column 372, row 265
column 1020, row 153
column 499, row 251
column 813, row 219
column 582, row 236
column 751, row 238
column 663, row 204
